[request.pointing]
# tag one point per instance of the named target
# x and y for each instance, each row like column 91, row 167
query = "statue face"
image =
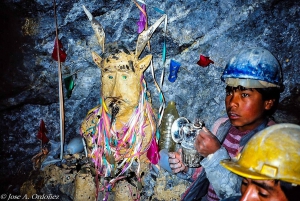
column 120, row 83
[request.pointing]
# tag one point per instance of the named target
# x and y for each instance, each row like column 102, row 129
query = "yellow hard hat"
column 273, row 153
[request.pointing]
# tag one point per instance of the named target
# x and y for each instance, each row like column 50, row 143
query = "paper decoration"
column 62, row 54
column 42, row 133
column 204, row 61
column 174, row 67
column 69, row 83
column 143, row 19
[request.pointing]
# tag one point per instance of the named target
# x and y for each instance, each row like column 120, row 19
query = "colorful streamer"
column 164, row 50
column 109, row 154
column 143, row 19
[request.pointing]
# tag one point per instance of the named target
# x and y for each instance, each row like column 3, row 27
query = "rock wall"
column 217, row 28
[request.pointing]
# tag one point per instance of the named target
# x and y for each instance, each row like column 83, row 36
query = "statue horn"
column 145, row 36
column 97, row 27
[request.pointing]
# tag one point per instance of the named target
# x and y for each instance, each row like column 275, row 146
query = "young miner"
column 254, row 83
column 269, row 165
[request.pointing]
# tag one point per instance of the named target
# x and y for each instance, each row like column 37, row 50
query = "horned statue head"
column 121, row 131
column 121, row 70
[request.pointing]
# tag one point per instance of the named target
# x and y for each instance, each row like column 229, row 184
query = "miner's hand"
column 176, row 162
column 206, row 143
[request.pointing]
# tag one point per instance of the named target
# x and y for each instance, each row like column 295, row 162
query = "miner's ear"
column 269, row 104
column 144, row 62
column 97, row 59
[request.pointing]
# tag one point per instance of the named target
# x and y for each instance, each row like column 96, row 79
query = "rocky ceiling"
column 29, row 88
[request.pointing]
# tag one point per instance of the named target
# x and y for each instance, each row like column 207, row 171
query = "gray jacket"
column 224, row 182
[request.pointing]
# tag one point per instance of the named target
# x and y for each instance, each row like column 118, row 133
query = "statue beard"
column 117, row 107
column 114, row 111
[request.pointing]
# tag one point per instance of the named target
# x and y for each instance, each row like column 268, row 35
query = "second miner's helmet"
column 253, row 68
column 273, row 153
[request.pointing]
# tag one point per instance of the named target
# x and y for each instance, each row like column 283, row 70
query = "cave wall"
column 217, row 28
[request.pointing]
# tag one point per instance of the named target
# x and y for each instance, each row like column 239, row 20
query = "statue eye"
column 124, row 77
column 110, row 77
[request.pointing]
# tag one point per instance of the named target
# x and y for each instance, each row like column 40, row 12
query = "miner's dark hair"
column 269, row 94
column 291, row 192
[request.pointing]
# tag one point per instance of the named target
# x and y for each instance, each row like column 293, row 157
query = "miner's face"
column 261, row 190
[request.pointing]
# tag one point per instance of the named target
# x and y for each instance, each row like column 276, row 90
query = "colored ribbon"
column 107, row 143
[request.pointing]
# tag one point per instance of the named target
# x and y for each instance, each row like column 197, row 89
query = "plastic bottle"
column 169, row 116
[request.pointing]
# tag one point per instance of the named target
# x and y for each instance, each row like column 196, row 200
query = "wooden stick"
column 61, row 96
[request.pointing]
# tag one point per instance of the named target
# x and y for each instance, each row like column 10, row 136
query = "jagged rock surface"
column 218, row 28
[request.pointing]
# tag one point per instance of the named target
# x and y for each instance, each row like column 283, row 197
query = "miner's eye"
column 110, row 77
column 124, row 77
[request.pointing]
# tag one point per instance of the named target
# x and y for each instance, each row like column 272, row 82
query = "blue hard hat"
column 253, row 68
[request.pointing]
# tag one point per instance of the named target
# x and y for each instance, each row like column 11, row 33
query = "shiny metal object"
column 185, row 133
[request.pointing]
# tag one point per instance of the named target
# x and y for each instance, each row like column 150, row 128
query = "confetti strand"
column 145, row 14
column 134, row 134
